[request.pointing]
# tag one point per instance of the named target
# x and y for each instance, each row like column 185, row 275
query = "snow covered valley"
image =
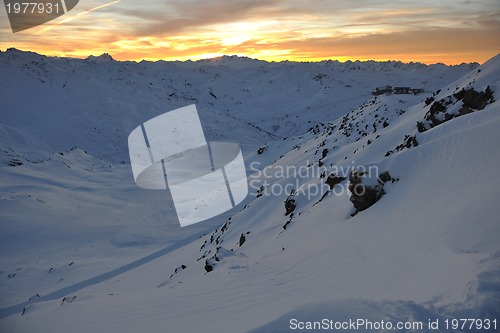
column 84, row 249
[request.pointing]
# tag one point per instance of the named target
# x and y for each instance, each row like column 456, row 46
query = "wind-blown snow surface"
column 83, row 249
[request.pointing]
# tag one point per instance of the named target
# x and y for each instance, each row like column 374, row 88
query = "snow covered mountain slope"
column 106, row 99
column 83, row 249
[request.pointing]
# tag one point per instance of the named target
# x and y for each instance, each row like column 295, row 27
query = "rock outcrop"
column 441, row 111
column 364, row 190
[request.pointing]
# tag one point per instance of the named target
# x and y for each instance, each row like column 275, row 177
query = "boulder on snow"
column 15, row 162
column 474, row 99
column 242, row 240
column 290, row 204
column 208, row 267
column 364, row 190
column 261, row 149
column 333, row 180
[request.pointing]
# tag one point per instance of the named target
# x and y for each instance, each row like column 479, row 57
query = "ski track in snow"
column 58, row 294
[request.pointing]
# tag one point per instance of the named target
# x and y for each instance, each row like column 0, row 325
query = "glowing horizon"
column 450, row 32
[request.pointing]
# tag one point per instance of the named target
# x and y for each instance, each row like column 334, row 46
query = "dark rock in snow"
column 242, row 240
column 473, row 99
column 385, row 177
column 208, row 267
column 465, row 110
column 15, row 162
column 411, row 141
column 288, row 222
column 290, row 204
column 363, row 193
column 68, row 299
column 260, row 192
column 421, row 127
column 333, row 180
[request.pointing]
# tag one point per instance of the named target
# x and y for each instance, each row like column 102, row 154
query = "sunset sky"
column 429, row 31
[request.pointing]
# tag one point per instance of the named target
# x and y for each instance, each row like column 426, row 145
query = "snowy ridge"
column 110, row 257
column 275, row 99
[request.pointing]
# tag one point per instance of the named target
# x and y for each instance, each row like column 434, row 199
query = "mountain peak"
column 105, row 57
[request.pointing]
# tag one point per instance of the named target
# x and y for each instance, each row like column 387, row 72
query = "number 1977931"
column 471, row 324
column 33, row 8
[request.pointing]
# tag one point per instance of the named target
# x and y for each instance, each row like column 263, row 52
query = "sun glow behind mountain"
column 427, row 31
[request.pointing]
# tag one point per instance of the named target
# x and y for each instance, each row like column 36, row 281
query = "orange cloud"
column 447, row 32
